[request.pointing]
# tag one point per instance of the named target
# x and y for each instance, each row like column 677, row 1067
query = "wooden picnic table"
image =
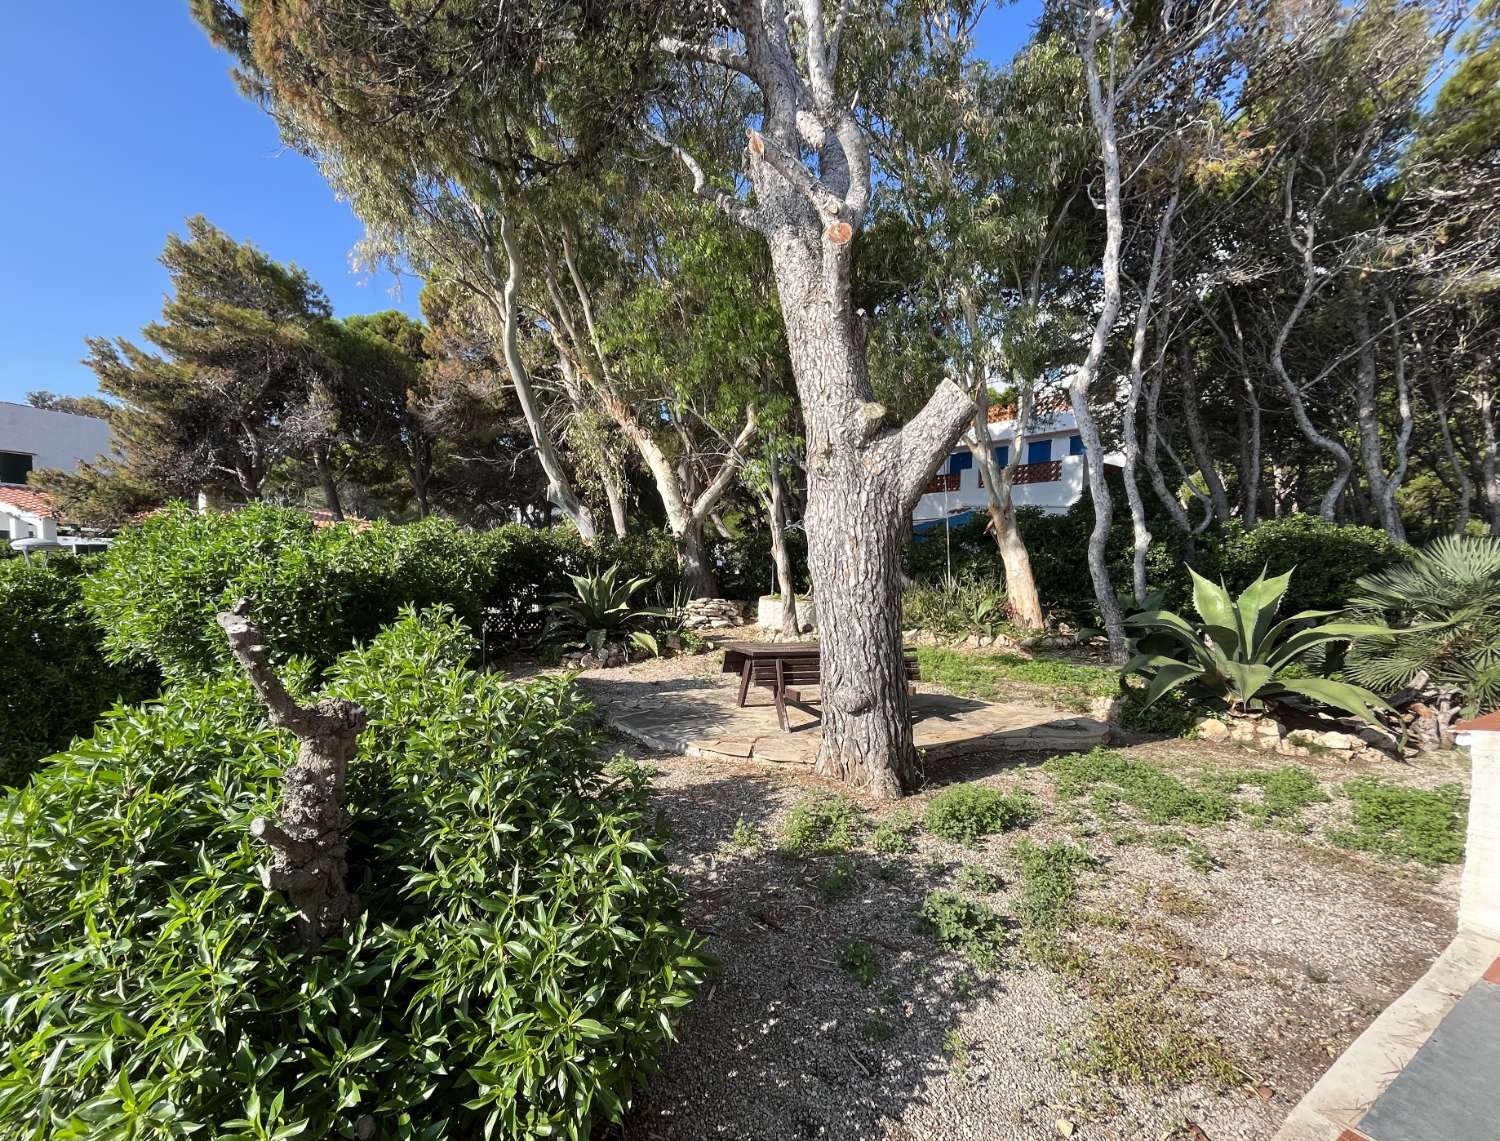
column 786, row 668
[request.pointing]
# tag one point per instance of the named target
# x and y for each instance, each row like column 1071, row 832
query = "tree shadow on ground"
column 783, row 1041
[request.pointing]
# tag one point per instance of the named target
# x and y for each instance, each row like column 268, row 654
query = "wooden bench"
column 786, row 669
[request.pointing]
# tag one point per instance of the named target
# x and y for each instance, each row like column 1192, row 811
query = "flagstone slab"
column 698, row 717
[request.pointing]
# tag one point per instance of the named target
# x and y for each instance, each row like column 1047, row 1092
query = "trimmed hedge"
column 54, row 679
column 520, row 954
column 317, row 591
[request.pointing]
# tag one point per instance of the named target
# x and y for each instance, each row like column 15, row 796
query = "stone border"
column 1332, row 1109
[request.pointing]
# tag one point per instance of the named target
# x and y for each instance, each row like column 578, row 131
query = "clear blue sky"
column 119, row 121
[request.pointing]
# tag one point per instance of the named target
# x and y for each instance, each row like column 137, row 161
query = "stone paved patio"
column 697, row 716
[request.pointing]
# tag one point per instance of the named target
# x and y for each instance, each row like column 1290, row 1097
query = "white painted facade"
column 1052, row 474
column 52, row 439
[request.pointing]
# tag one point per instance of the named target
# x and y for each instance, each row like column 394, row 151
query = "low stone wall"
column 713, row 614
column 1274, row 736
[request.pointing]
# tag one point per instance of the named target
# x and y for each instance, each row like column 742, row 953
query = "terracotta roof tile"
column 1489, row 723
column 26, row 499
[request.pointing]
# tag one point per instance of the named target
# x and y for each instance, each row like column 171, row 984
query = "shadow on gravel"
column 782, row 1041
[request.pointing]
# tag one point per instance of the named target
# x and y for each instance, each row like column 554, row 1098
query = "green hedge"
column 318, row 591
column 54, row 679
column 1328, row 557
column 520, row 954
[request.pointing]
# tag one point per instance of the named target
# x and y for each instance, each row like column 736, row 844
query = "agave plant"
column 601, row 610
column 1239, row 657
column 1444, row 607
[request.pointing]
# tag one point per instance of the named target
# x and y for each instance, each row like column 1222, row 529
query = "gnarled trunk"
column 330, row 486
column 791, row 627
column 308, row 851
column 698, row 577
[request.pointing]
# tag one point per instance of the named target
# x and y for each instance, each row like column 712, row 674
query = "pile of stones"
column 712, row 614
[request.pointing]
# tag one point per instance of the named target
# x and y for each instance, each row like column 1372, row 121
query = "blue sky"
column 119, row 121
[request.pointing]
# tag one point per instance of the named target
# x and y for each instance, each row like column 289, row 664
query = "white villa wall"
column 52, row 439
column 1052, row 496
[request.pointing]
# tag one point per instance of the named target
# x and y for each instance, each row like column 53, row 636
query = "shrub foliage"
column 514, row 969
column 54, row 680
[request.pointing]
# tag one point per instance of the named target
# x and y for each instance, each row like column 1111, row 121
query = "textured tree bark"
column 1368, row 417
column 698, row 577
column 1460, row 470
column 308, row 857
column 1484, row 404
column 615, row 494
column 791, row 627
column 330, row 485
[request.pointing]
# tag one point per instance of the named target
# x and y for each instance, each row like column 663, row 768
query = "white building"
column 1051, row 475
column 35, row 438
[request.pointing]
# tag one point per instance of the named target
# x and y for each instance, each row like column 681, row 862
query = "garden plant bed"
column 1156, row 951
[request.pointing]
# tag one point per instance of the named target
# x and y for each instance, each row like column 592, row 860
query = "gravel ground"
column 1272, row 962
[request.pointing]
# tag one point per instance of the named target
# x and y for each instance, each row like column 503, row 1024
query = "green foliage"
column 956, row 607
column 517, row 910
column 602, row 610
column 983, row 676
column 979, row 879
column 1139, row 1040
column 964, row 812
column 955, row 923
column 1329, row 558
column 1049, row 898
column 1285, row 792
column 1239, row 656
column 54, row 679
column 1425, row 825
column 821, row 824
column 838, row 881
column 892, row 836
column 746, row 838
column 317, row 591
column 1158, row 797
column 1172, row 713
column 859, row 959
column 1444, row 609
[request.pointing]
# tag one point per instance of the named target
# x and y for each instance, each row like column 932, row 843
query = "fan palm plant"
column 1239, row 658
column 601, row 610
column 1443, row 636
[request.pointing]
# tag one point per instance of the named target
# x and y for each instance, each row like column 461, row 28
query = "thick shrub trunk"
column 697, row 571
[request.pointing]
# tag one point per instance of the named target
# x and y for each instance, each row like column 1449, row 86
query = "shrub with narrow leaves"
column 54, row 680
column 516, row 965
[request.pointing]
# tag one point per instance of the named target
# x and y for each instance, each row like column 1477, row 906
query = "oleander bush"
column 54, row 679
column 316, row 592
column 516, row 966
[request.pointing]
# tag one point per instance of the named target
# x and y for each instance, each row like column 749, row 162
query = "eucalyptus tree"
column 985, row 171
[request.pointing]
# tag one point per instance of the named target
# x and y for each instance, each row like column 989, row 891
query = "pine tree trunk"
column 330, row 486
column 862, row 483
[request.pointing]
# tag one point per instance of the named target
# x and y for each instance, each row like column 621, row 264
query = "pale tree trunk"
column 1151, row 455
column 776, row 513
column 1020, row 583
column 1371, row 454
column 1250, row 448
column 863, row 478
column 614, row 492
column 1484, row 404
column 507, row 308
column 1102, row 111
column 1192, row 420
column 1460, row 469
column 1132, row 447
column 1405, row 423
column 308, row 850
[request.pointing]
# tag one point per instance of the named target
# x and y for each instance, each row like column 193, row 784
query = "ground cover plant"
column 1110, row 778
column 965, row 812
column 515, row 909
column 54, row 678
column 986, row 676
column 1425, row 825
column 822, row 825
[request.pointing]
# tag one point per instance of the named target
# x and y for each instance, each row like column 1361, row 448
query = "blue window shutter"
column 1075, row 445
column 960, row 461
column 1039, row 452
column 1002, row 454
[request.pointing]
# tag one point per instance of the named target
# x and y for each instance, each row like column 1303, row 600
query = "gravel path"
column 1274, row 961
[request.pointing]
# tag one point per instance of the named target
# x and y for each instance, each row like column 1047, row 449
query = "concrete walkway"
column 697, row 716
column 1428, row 1069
